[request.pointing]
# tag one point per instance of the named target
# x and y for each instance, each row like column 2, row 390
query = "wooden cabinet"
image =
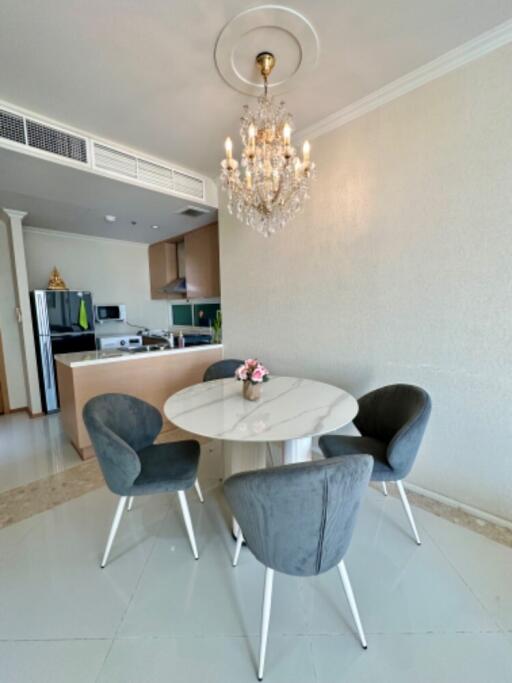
column 163, row 267
column 194, row 256
column 202, row 262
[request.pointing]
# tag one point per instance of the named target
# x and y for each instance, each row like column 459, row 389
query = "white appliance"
column 104, row 312
column 119, row 341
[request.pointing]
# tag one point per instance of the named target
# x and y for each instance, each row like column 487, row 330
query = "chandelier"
column 275, row 181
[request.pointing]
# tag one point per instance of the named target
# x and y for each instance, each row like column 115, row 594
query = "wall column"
column 23, row 310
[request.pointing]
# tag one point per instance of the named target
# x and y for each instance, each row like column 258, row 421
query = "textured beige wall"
column 11, row 337
column 400, row 270
column 114, row 271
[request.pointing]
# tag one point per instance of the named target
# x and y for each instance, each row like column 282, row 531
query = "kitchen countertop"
column 85, row 358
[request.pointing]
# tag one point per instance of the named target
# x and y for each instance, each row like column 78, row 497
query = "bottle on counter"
column 181, row 340
column 171, row 340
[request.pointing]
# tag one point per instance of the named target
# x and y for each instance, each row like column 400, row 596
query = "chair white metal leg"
column 408, row 512
column 238, row 547
column 130, row 503
column 188, row 522
column 113, row 529
column 384, row 488
column 198, row 491
column 265, row 619
column 352, row 602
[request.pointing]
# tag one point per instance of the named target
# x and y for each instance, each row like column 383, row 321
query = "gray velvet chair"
column 391, row 421
column 298, row 520
column 122, row 430
column 222, row 369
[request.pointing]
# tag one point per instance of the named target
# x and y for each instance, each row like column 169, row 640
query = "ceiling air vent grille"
column 188, row 184
column 148, row 172
column 110, row 159
column 56, row 141
column 11, row 127
column 192, row 211
column 154, row 174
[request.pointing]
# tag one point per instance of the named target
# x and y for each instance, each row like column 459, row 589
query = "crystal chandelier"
column 275, row 181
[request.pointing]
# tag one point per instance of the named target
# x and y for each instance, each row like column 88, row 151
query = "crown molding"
column 454, row 59
column 63, row 234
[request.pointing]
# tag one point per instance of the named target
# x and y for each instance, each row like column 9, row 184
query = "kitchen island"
column 151, row 376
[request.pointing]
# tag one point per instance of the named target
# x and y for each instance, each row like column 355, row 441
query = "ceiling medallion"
column 275, row 181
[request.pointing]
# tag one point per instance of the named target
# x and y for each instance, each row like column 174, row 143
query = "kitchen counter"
column 152, row 376
column 84, row 358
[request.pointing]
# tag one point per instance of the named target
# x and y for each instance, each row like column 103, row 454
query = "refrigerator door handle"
column 43, row 322
column 50, row 387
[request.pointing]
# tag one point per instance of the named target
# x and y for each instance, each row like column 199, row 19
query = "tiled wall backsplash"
column 188, row 313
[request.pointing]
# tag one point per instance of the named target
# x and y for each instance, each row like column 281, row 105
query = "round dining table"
column 291, row 411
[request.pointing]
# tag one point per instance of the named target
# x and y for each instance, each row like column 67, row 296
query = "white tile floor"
column 32, row 449
column 439, row 613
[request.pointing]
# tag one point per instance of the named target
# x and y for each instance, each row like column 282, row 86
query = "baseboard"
column 451, row 502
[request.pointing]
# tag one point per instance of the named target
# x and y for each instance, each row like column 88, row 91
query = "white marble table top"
column 289, row 408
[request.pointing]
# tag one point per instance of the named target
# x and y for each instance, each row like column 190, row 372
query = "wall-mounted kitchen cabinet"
column 190, row 261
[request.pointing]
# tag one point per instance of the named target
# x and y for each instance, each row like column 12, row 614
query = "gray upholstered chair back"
column 397, row 415
column 222, row 369
column 298, row 519
column 119, row 426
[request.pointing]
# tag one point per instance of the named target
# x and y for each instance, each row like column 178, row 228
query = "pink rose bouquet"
column 252, row 371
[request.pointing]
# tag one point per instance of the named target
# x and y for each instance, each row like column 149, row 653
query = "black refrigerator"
column 63, row 322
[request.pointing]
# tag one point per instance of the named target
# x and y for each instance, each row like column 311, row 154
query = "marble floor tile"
column 438, row 613
column 52, row 661
column 177, row 596
column 32, row 449
column 400, row 587
column 485, row 566
column 414, row 658
column 207, row 660
column 51, row 583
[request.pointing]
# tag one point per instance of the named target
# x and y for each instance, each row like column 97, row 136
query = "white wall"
column 9, row 327
column 400, row 270
column 114, row 271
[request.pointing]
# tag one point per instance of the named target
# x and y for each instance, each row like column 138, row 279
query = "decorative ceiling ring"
column 280, row 30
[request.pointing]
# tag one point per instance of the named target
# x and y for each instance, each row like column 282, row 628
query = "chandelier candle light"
column 275, row 181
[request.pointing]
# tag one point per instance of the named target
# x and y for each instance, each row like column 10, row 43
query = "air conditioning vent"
column 192, row 211
column 11, row 127
column 56, row 141
column 148, row 172
column 35, row 136
column 110, row 159
column 154, row 174
column 187, row 184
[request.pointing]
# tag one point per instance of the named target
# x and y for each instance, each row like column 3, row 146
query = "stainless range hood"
column 177, row 286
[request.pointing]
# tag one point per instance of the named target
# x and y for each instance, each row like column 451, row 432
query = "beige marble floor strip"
column 25, row 501
column 44, row 494
column 500, row 534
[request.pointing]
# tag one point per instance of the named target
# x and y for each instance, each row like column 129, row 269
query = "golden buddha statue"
column 56, row 281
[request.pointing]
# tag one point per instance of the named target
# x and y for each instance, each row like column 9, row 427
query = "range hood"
column 177, row 286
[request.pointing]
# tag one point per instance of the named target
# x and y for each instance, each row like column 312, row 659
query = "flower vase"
column 251, row 391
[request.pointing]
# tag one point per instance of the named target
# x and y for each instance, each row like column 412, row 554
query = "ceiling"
column 143, row 75
column 58, row 197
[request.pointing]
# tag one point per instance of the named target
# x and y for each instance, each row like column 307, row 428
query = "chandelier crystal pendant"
column 274, row 182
